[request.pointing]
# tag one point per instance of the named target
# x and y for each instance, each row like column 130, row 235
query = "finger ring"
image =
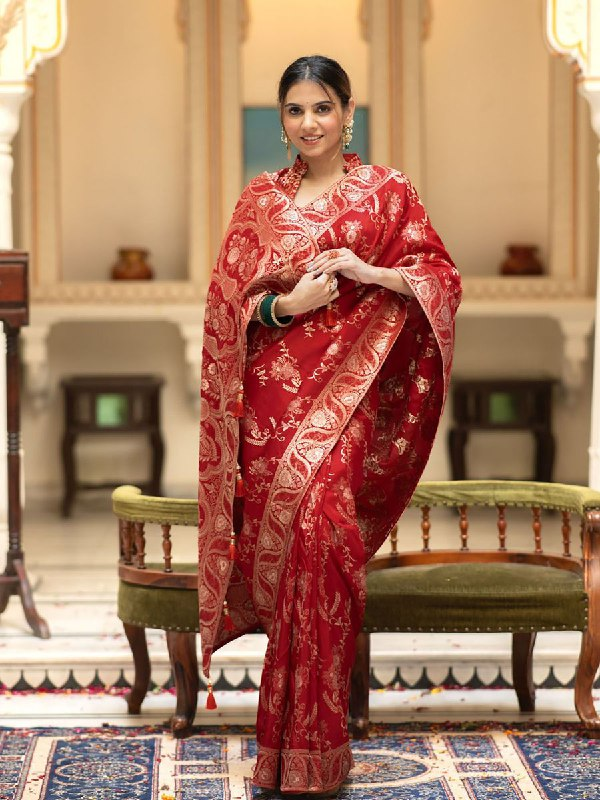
column 332, row 254
column 333, row 284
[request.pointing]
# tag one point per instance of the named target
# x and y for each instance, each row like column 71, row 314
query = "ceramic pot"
column 132, row 265
column 522, row 259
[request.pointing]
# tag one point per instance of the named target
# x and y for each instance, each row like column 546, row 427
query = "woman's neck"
column 321, row 171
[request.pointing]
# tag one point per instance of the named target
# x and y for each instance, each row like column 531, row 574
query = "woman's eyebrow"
column 318, row 103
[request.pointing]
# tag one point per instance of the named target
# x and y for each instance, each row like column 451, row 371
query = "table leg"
column 544, row 455
column 37, row 624
column 68, row 462
column 158, row 455
column 457, row 440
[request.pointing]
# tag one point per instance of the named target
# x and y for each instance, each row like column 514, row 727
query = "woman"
column 327, row 350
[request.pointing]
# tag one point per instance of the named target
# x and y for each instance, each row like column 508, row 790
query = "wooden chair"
column 423, row 589
column 158, row 594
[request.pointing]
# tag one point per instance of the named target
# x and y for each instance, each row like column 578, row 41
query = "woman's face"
column 313, row 120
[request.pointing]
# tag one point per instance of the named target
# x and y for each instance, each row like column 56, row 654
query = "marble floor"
column 72, row 567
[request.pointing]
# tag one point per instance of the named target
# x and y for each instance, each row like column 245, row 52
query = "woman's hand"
column 313, row 290
column 350, row 266
column 346, row 263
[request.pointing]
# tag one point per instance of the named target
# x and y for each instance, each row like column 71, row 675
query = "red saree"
column 336, row 428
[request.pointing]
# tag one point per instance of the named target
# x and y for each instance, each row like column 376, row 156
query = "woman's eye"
column 323, row 109
column 293, row 111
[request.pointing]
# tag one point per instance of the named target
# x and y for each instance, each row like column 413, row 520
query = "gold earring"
column 347, row 134
column 285, row 139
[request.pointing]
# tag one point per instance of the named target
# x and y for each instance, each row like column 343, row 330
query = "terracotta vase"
column 132, row 265
column 522, row 259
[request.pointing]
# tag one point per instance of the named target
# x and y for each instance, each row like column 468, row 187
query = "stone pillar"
column 30, row 32
column 395, row 30
column 594, row 449
column 573, row 30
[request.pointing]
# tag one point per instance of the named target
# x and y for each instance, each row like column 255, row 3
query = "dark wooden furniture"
column 110, row 404
column 421, row 588
column 502, row 404
column 14, row 312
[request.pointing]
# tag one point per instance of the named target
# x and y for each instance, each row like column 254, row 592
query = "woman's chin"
column 316, row 151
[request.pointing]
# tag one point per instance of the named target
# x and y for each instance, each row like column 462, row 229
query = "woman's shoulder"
column 269, row 177
column 387, row 179
column 383, row 171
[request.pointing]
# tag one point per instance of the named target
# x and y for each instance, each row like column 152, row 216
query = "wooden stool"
column 110, row 404
column 503, row 404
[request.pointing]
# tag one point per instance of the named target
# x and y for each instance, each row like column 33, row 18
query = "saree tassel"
column 232, row 549
column 238, row 408
column 330, row 316
column 211, row 703
column 227, row 622
column 240, row 489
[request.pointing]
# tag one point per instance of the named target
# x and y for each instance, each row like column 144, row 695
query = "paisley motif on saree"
column 303, row 385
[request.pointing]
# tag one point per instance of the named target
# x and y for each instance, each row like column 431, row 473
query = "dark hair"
column 319, row 69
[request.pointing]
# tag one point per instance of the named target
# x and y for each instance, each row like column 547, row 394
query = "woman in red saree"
column 327, row 350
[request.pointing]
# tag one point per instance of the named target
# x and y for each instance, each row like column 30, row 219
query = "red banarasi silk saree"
column 329, row 424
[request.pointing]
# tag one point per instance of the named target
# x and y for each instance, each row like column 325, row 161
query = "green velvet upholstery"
column 475, row 597
column 557, row 496
column 162, row 608
column 130, row 504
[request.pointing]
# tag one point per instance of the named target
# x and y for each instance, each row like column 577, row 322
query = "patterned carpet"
column 437, row 762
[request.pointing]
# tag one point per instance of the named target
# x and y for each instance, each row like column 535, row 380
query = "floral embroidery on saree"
column 337, row 427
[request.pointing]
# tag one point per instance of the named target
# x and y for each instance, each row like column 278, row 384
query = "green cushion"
column 475, row 597
column 441, row 597
column 158, row 607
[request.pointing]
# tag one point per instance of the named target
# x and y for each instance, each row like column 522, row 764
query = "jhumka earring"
column 286, row 140
column 347, row 134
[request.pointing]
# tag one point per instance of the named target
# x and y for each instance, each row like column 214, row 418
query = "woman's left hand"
column 345, row 262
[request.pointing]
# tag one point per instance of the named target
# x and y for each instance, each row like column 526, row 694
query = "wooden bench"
column 467, row 589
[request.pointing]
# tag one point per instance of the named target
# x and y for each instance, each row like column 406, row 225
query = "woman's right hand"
column 313, row 290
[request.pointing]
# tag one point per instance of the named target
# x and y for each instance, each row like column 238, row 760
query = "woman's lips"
column 311, row 139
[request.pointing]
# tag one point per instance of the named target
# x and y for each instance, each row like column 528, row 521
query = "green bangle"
column 266, row 315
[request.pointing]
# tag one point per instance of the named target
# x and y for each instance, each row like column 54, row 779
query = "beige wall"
column 486, row 89
column 280, row 32
column 123, row 174
column 122, row 160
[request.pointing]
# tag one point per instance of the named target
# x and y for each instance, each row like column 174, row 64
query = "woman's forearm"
column 391, row 279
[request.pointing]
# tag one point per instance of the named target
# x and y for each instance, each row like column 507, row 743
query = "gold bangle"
column 278, row 322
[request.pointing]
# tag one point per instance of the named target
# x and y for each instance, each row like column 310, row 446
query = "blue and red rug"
column 435, row 762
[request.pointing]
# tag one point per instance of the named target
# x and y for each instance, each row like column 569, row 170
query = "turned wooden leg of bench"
column 141, row 664
column 359, row 688
column 522, row 669
column 587, row 667
column 184, row 663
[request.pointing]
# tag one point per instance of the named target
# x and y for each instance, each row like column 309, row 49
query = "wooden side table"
column 110, row 404
column 503, row 404
column 14, row 313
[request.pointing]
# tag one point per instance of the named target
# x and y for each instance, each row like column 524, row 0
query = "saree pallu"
column 337, row 426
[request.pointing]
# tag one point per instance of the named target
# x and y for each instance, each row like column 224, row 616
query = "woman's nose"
column 308, row 121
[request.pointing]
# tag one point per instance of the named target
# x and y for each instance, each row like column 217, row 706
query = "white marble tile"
column 240, row 708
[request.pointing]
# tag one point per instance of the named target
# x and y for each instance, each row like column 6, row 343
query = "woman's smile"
column 311, row 139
